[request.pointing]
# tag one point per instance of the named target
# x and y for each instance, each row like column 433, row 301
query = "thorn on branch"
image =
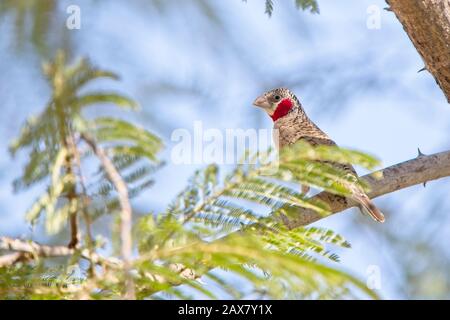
column 420, row 154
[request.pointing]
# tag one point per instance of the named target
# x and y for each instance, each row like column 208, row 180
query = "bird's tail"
column 368, row 207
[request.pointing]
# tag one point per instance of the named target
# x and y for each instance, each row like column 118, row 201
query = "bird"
column 292, row 125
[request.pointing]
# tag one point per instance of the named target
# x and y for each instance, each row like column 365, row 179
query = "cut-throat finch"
column 294, row 125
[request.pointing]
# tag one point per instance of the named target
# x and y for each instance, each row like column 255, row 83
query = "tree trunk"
column 427, row 23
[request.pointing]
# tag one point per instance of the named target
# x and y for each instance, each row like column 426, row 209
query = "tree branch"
column 126, row 212
column 84, row 199
column 427, row 23
column 403, row 175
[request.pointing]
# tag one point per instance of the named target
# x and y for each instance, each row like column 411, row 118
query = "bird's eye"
column 277, row 97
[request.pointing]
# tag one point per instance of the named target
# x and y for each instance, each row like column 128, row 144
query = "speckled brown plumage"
column 292, row 124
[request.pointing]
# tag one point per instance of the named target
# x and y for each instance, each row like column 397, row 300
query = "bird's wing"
column 366, row 205
column 325, row 140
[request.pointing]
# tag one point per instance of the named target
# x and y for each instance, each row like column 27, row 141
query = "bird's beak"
column 262, row 102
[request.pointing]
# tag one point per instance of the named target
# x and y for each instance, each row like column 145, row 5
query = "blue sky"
column 361, row 86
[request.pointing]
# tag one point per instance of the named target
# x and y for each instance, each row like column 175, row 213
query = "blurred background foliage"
column 207, row 60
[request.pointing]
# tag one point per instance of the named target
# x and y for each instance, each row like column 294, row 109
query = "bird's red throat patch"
column 282, row 109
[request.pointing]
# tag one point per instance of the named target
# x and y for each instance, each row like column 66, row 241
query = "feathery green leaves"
column 57, row 152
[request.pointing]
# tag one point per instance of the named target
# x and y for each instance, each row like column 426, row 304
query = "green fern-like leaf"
column 269, row 7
